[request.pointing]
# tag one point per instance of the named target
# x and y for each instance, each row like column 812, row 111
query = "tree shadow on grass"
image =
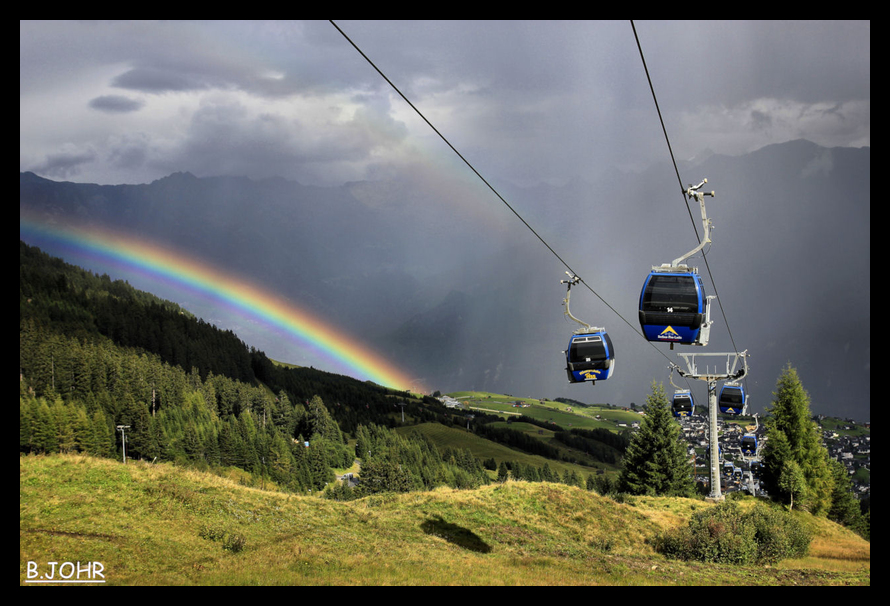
column 455, row 534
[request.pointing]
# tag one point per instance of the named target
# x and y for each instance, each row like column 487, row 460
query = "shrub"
column 230, row 541
column 727, row 534
column 717, row 534
column 234, row 542
column 211, row 533
column 779, row 534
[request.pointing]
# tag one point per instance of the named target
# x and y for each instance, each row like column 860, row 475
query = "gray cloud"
column 67, row 163
column 116, row 104
column 156, row 80
column 533, row 101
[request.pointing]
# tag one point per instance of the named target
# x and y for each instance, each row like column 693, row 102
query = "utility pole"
column 403, row 404
column 121, row 429
column 732, row 360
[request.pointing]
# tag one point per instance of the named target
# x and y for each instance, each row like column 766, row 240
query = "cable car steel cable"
column 501, row 198
column 680, row 181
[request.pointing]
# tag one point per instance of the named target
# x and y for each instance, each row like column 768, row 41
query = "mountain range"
column 442, row 277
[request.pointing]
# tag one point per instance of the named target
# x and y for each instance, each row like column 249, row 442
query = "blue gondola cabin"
column 683, row 404
column 674, row 307
column 590, row 357
column 732, row 400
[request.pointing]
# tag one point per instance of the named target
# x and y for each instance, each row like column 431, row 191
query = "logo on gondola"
column 590, row 374
column 669, row 333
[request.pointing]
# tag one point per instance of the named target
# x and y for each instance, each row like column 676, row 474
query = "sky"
column 525, row 102
column 131, row 102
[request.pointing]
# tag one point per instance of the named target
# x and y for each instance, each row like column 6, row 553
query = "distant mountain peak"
column 178, row 177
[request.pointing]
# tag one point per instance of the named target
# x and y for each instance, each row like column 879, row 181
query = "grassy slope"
column 564, row 415
column 145, row 525
column 459, row 439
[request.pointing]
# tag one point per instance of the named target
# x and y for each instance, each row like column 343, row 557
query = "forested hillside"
column 96, row 353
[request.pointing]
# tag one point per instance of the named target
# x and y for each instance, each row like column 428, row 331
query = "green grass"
column 561, row 415
column 452, row 437
column 159, row 524
column 566, row 416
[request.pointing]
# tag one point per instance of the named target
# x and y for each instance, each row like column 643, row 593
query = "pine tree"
column 156, row 441
column 546, row 475
column 793, row 435
column 318, row 467
column 64, row 423
column 84, row 435
column 776, row 452
column 191, row 443
column 27, row 415
column 135, row 414
column 322, row 423
column 229, row 443
column 43, row 436
column 384, row 476
column 281, row 461
column 655, row 462
column 105, row 439
column 575, row 479
column 792, row 481
column 211, row 447
column 502, row 472
column 844, row 505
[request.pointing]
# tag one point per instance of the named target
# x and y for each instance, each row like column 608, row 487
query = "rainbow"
column 132, row 254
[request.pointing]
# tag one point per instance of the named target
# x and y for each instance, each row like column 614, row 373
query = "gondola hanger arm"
column 573, row 280
column 694, row 192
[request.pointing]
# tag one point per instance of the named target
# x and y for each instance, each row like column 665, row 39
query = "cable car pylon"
column 733, row 373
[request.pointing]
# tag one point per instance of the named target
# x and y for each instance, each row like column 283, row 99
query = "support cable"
column 680, row 181
column 501, row 198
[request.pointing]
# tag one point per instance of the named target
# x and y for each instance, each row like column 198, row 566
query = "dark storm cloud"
column 116, row 104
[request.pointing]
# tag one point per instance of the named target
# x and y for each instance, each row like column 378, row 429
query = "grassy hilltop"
column 160, row 524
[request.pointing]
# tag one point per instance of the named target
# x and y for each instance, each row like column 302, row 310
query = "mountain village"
column 846, row 443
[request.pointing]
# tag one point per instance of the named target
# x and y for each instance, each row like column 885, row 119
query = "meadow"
column 165, row 525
